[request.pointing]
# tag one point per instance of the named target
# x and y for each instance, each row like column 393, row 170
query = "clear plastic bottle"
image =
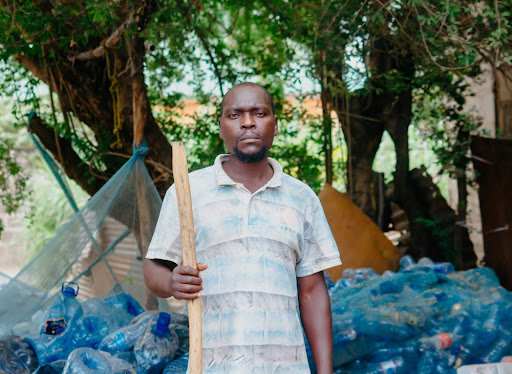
column 125, row 302
column 407, row 263
column 462, row 323
column 409, row 353
column 490, row 325
column 359, row 275
column 88, row 332
column 440, row 341
column 178, row 366
column 499, row 348
column 87, row 361
column 156, row 348
column 427, row 362
column 443, row 267
column 384, row 328
column 124, row 339
column 396, row 365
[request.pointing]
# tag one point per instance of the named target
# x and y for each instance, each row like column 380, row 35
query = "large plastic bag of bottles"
column 426, row 318
column 111, row 335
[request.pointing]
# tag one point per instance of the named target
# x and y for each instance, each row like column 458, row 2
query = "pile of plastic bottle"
column 98, row 336
column 425, row 318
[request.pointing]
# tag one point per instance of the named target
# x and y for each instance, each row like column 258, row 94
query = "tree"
column 408, row 49
column 92, row 56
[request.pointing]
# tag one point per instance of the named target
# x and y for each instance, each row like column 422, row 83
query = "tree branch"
column 139, row 18
column 74, row 167
column 97, row 52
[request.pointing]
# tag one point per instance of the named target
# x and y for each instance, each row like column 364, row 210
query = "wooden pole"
column 188, row 245
column 139, row 104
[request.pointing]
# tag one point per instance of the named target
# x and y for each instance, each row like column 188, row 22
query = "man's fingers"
column 187, row 279
column 186, row 296
column 186, row 270
column 202, row 267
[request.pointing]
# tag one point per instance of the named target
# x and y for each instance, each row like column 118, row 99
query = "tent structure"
column 130, row 200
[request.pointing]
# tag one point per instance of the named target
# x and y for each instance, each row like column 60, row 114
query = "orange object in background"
column 360, row 241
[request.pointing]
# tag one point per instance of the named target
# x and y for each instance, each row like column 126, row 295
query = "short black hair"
column 249, row 84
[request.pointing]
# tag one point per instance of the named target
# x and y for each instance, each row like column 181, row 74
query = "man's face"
column 247, row 124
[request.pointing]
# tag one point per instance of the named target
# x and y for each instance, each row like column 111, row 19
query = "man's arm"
column 165, row 279
column 315, row 311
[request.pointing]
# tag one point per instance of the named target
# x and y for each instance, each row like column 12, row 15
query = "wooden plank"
column 188, row 245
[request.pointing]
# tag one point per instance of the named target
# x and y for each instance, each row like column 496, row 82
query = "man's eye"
column 259, row 114
column 233, row 115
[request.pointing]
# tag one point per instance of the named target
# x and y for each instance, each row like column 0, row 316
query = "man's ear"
column 220, row 130
column 276, row 126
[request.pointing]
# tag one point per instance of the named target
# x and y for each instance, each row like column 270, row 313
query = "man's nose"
column 248, row 121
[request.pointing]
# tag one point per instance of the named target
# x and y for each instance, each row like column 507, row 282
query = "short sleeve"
column 166, row 241
column 320, row 251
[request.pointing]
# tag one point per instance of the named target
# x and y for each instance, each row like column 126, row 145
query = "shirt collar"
column 224, row 180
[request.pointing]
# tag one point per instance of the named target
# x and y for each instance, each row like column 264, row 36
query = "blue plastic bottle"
column 64, row 311
column 54, row 341
column 156, row 348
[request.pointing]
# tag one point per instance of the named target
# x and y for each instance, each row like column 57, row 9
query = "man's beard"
column 253, row 157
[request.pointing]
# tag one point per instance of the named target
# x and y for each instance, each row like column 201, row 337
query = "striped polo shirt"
column 255, row 246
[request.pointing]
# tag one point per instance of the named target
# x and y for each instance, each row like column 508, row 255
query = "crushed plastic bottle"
column 16, row 356
column 87, row 361
column 178, row 366
column 126, row 303
column 156, row 348
column 125, row 338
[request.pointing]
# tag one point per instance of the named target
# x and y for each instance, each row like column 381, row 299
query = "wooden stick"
column 188, row 245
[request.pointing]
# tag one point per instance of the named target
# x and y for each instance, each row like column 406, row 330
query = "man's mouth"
column 248, row 138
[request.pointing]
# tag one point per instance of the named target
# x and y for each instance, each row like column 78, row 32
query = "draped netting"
column 101, row 248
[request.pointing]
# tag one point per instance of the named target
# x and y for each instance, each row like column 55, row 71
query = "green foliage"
column 447, row 125
column 47, row 208
column 443, row 236
column 13, row 180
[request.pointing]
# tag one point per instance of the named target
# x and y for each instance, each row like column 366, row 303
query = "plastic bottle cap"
column 70, row 288
column 164, row 318
column 162, row 323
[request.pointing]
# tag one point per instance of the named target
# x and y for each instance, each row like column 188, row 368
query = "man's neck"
column 253, row 175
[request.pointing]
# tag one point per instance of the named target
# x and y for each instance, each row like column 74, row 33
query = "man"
column 262, row 239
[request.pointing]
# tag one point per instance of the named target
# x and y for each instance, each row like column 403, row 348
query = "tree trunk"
column 363, row 133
